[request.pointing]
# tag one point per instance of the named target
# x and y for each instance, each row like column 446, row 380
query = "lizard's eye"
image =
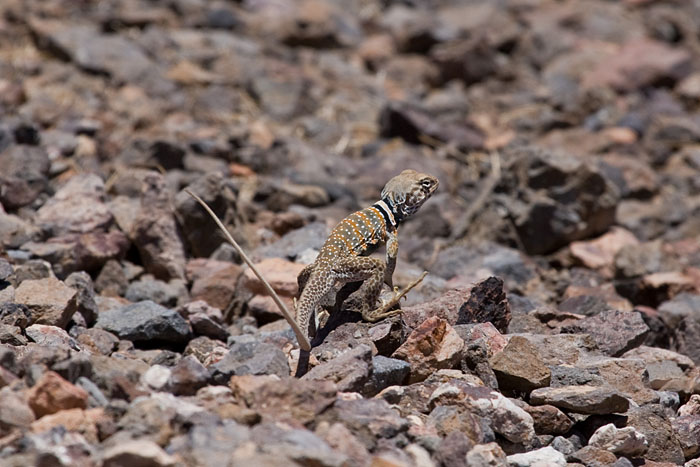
column 427, row 183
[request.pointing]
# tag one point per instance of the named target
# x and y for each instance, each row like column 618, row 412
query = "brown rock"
column 280, row 273
column 82, row 421
column 52, row 394
column 431, row 346
column 687, row 430
column 549, row 420
column 49, row 300
column 519, row 367
column 155, row 232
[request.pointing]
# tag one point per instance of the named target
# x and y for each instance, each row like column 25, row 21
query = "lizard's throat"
column 392, row 216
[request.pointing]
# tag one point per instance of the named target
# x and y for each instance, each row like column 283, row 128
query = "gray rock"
column 581, row 399
column 291, row 245
column 44, row 334
column 144, row 322
column 85, row 299
column 187, row 376
column 386, row 372
column 615, row 332
column 349, row 371
column 168, row 294
column 197, row 226
column 250, row 358
column 209, row 445
column 24, row 172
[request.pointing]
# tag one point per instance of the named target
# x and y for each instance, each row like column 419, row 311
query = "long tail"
column 301, row 336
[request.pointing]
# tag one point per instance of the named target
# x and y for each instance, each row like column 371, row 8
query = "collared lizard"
column 342, row 259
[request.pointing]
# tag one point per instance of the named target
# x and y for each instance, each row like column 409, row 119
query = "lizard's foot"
column 385, row 310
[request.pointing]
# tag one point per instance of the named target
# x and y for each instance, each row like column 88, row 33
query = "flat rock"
column 44, row 334
column 349, row 371
column 627, row 376
column 431, row 346
column 370, row 420
column 486, row 454
column 542, row 456
column 290, row 399
column 548, row 419
column 581, row 399
column 385, row 372
column 446, row 306
column 49, row 301
column 137, row 452
column 216, row 283
column 77, row 207
column 250, row 358
column 145, row 322
column 600, row 252
column 615, row 332
column 519, row 366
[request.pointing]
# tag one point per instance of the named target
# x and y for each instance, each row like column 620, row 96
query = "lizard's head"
column 407, row 192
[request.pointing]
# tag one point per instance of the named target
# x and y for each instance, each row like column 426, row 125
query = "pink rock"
column 52, row 394
column 431, row 346
column 280, row 273
column 600, row 253
column 638, row 63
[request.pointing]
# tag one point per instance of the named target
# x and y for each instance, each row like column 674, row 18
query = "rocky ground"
column 560, row 320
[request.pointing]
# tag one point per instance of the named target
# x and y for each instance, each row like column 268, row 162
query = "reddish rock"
column 446, row 306
column 213, row 281
column 638, row 63
column 280, row 273
column 52, row 394
column 49, row 300
column 431, row 346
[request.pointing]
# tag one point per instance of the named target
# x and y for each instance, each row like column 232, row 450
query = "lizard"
column 343, row 257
